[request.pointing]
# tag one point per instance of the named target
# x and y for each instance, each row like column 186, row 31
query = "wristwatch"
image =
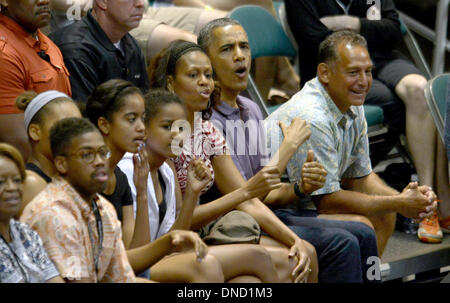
column 297, row 191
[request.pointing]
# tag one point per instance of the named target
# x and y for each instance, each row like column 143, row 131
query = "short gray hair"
column 205, row 34
column 328, row 48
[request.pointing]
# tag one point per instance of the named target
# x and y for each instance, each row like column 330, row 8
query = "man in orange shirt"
column 29, row 60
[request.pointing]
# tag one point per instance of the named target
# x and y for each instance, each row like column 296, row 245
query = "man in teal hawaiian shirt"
column 331, row 103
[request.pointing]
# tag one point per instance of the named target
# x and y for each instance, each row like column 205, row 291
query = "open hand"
column 302, row 269
column 297, row 132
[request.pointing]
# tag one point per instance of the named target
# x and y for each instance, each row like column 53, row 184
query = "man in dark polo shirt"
column 99, row 48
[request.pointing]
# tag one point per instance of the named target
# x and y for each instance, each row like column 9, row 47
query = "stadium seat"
column 266, row 38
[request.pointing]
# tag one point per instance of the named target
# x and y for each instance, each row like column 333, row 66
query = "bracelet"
column 297, row 191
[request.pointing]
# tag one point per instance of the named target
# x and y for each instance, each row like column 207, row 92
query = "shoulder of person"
column 34, row 180
column 120, row 175
column 45, row 215
column 76, row 35
column 169, row 167
column 251, row 105
column 126, row 165
column 24, row 228
column 109, row 211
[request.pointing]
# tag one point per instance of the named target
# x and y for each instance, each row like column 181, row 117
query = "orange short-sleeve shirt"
column 21, row 68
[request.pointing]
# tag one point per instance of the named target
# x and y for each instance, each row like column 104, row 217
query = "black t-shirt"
column 122, row 193
column 38, row 170
column 382, row 35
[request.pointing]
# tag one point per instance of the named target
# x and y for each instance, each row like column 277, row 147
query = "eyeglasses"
column 88, row 155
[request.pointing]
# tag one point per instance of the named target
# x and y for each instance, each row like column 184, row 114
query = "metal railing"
column 438, row 36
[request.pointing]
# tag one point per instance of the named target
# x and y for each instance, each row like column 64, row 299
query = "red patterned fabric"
column 205, row 143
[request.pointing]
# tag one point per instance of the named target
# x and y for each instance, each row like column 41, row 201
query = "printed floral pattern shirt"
column 205, row 142
column 24, row 258
column 339, row 140
column 61, row 217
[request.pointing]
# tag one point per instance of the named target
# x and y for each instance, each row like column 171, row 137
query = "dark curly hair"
column 108, row 98
column 63, row 132
column 156, row 99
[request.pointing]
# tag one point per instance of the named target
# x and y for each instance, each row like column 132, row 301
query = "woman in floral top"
column 22, row 256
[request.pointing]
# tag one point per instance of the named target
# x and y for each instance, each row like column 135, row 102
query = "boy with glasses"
column 79, row 228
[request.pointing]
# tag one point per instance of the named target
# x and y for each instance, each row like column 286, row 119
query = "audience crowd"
column 129, row 151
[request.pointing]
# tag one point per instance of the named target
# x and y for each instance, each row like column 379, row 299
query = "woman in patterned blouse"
column 22, row 256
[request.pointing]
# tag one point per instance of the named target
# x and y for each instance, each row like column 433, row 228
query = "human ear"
column 61, row 164
column 102, row 4
column 323, row 72
column 103, row 125
column 34, row 131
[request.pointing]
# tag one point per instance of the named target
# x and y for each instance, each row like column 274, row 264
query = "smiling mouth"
column 359, row 93
column 12, row 201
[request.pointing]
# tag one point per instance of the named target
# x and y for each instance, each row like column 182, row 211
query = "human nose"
column 174, row 132
column 239, row 54
column 140, row 127
column 99, row 159
column 363, row 79
column 203, row 80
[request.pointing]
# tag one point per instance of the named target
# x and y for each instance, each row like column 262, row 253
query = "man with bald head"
column 29, row 60
column 331, row 102
column 99, row 48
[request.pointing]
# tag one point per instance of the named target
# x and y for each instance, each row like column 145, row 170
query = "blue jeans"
column 342, row 247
